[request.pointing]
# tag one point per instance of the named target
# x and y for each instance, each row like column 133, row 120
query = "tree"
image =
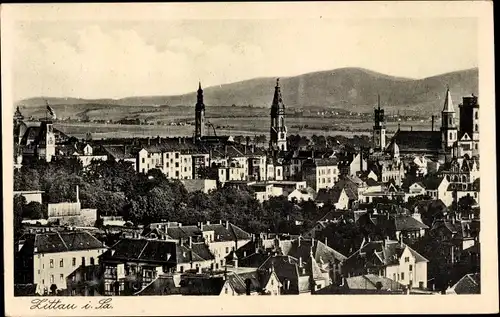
column 35, row 210
column 19, row 205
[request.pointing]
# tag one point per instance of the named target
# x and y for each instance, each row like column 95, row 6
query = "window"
column 176, row 155
column 176, row 164
column 51, row 279
column 407, row 259
column 477, row 115
column 51, row 263
column 38, row 271
column 61, row 263
column 61, row 277
column 411, row 268
column 92, row 261
column 226, row 290
column 476, row 128
column 181, row 269
column 227, row 249
column 394, row 276
column 143, row 160
column 402, row 276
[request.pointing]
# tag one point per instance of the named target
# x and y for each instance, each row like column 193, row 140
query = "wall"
column 42, row 271
column 30, row 196
column 418, row 274
column 64, row 209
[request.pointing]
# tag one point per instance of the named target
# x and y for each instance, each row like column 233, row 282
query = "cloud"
column 118, row 60
column 120, row 63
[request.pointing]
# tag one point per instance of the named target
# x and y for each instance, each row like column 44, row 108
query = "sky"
column 115, row 59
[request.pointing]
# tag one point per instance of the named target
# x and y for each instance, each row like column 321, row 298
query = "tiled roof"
column 331, row 195
column 162, row 285
column 432, row 183
column 24, row 289
column 418, row 140
column 321, row 252
column 238, row 282
column 52, row 242
column 155, row 251
column 118, row 152
column 381, row 253
column 202, row 250
column 286, row 268
column 369, row 281
column 469, row 284
column 202, row 285
column 405, row 222
column 351, row 189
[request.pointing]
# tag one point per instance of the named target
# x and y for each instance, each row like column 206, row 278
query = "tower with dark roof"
column 449, row 132
column 469, row 121
column 278, row 127
column 379, row 129
column 199, row 129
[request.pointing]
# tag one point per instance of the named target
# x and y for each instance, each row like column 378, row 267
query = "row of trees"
column 115, row 189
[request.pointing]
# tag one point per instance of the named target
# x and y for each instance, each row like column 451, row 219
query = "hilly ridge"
column 353, row 89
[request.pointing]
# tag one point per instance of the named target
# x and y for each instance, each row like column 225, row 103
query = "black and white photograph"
column 286, row 156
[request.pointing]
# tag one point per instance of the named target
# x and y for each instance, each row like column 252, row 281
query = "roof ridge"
column 144, row 248
column 470, row 278
column 62, row 240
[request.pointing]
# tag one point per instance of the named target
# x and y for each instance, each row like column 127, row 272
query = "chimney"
column 246, row 149
column 244, row 254
column 432, row 123
column 201, row 226
column 227, row 224
column 149, row 141
column 326, row 241
column 124, row 149
column 77, row 194
column 180, row 141
column 300, row 262
column 361, row 159
column 198, row 269
column 190, row 242
column 300, row 238
column 208, row 222
column 225, row 150
column 158, row 140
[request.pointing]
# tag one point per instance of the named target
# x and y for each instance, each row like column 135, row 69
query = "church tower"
column 449, row 133
column 379, row 129
column 278, row 128
column 18, row 118
column 46, row 148
column 199, row 115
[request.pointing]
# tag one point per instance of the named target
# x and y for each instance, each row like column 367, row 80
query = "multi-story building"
column 392, row 259
column 379, row 129
column 468, row 139
column 321, row 173
column 47, row 259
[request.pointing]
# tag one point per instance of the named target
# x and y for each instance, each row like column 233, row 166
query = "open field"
column 235, row 126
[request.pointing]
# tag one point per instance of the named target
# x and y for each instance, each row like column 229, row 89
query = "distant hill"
column 345, row 88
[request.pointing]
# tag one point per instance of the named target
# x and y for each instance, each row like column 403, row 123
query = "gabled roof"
column 405, row 222
column 369, row 281
column 421, row 141
column 144, row 250
column 53, row 242
column 469, row 284
column 202, row 285
column 162, row 285
column 432, row 183
column 382, row 253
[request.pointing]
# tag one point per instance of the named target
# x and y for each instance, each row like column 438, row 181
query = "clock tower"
column 46, row 148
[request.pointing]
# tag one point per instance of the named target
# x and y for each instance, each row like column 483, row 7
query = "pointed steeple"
column 18, row 115
column 448, row 103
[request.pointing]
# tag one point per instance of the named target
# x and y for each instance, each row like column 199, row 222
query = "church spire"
column 448, row 102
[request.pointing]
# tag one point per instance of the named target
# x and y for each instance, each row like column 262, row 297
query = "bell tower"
column 449, row 133
column 278, row 128
column 199, row 115
column 379, row 129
